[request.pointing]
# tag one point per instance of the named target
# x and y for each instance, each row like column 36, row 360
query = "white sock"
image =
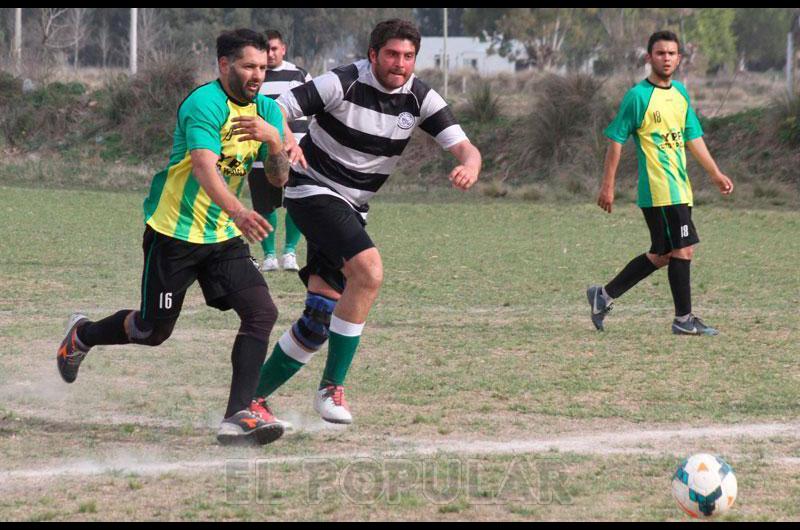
column 683, row 318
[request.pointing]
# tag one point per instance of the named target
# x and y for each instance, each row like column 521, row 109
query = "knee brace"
column 147, row 333
column 311, row 330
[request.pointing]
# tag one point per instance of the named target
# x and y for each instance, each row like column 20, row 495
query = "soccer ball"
column 704, row 485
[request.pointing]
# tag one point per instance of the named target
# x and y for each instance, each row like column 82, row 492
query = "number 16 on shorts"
column 165, row 300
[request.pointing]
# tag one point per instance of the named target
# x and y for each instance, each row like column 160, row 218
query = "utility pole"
column 790, row 62
column 794, row 30
column 444, row 54
column 134, row 44
column 18, row 39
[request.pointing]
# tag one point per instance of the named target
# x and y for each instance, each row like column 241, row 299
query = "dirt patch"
column 655, row 441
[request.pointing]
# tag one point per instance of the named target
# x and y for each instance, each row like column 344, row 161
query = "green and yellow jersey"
column 661, row 121
column 177, row 205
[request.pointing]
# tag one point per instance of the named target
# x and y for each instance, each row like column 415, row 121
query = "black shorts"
column 671, row 228
column 172, row 265
column 266, row 197
column 334, row 231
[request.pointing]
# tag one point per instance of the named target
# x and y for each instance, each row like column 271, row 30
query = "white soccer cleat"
column 270, row 264
column 289, row 262
column 332, row 406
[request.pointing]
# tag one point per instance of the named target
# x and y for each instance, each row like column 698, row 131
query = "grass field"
column 481, row 390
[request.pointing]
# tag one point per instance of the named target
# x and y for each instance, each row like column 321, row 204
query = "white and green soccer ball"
column 704, row 485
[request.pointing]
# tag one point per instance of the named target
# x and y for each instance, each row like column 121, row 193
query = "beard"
column 391, row 80
column 239, row 88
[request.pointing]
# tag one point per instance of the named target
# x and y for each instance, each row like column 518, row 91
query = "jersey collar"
column 656, row 86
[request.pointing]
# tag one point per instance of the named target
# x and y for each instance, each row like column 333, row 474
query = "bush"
column 483, row 105
column 565, row 138
column 493, row 188
column 789, row 121
column 569, row 113
column 142, row 108
column 46, row 116
column 10, row 87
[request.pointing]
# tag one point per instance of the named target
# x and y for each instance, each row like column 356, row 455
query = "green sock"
column 268, row 243
column 342, row 344
column 293, row 235
column 278, row 369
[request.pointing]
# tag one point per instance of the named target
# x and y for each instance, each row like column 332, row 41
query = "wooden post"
column 134, row 44
column 790, row 63
column 18, row 39
column 445, row 64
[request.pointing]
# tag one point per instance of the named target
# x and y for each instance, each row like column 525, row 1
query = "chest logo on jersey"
column 657, row 116
column 671, row 140
column 230, row 166
column 405, row 120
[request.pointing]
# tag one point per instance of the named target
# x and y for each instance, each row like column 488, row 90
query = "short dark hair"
column 662, row 35
column 393, row 29
column 274, row 34
column 231, row 43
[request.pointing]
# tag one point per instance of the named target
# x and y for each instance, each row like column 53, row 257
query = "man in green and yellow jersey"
column 193, row 227
column 658, row 114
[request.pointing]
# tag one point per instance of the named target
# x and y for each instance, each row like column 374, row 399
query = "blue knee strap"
column 312, row 328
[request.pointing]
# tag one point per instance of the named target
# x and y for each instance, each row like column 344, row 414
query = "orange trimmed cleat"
column 70, row 355
column 262, row 408
column 248, row 427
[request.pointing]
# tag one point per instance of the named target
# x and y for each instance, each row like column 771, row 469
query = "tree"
column 761, row 36
column 551, row 37
column 152, row 34
column 482, row 22
column 52, row 24
column 531, row 37
column 104, row 39
column 710, row 30
column 319, row 36
column 625, row 31
column 78, row 25
column 430, row 20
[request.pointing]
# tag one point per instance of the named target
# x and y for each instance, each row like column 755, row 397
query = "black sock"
column 247, row 357
column 679, row 276
column 110, row 330
column 637, row 270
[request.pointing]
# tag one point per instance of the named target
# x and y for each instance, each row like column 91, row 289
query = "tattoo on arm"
column 277, row 168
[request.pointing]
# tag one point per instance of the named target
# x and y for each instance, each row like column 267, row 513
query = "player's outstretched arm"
column 466, row 173
column 700, row 152
column 204, row 168
column 605, row 198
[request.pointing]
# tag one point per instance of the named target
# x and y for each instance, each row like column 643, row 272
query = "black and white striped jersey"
column 359, row 130
column 282, row 79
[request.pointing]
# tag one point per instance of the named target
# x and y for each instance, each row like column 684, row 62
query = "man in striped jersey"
column 281, row 77
column 193, row 224
column 363, row 117
column 658, row 114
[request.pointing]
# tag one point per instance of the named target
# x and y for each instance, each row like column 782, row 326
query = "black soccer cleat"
column 599, row 306
column 692, row 326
